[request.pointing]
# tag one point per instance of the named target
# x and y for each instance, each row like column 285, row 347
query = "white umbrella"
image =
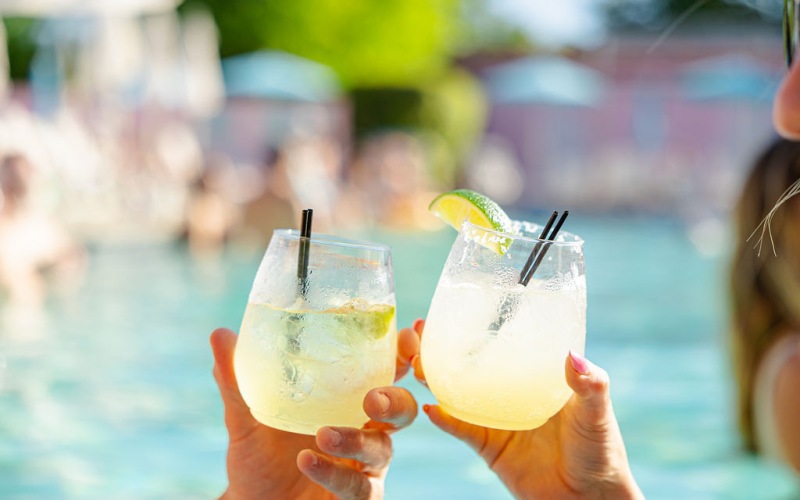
column 127, row 8
column 547, row 80
column 276, row 75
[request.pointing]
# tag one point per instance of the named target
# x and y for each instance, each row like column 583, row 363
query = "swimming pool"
column 110, row 393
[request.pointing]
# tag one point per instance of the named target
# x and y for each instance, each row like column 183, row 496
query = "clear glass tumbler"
column 310, row 349
column 494, row 350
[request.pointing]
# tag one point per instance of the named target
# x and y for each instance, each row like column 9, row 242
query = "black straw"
column 303, row 253
column 527, row 278
column 526, row 268
column 510, row 304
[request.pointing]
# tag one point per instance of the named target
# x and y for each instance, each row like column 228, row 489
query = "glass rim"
column 333, row 240
column 576, row 240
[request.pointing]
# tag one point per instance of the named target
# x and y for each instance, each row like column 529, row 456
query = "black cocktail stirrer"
column 526, row 277
column 303, row 253
column 543, row 235
column 531, row 265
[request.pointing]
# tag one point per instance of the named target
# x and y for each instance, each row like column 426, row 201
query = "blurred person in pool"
column 765, row 312
column 210, row 214
column 32, row 244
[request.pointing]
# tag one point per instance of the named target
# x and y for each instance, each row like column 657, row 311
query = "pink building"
column 671, row 127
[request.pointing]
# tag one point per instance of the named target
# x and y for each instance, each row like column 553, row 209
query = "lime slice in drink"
column 361, row 317
column 461, row 205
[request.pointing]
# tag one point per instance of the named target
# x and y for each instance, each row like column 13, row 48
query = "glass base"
column 308, row 428
column 494, row 423
column 287, row 425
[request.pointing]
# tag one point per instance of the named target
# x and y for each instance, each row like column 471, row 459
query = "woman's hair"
column 764, row 279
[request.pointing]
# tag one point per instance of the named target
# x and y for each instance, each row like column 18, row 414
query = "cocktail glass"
column 310, row 349
column 494, row 350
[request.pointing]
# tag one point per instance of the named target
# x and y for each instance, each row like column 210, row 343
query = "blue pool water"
column 109, row 393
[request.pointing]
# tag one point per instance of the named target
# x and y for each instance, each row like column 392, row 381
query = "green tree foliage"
column 479, row 30
column 21, row 45
column 367, row 42
column 455, row 108
column 448, row 114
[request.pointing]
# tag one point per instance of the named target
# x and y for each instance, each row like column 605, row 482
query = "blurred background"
column 148, row 149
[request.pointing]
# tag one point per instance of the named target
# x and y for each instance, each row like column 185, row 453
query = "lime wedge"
column 455, row 207
column 358, row 316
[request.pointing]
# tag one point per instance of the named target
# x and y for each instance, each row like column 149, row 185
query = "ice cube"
column 298, row 384
column 325, row 346
column 294, row 329
column 506, row 310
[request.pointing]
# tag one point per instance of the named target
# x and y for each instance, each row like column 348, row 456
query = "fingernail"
column 384, row 402
column 417, row 324
column 425, row 408
column 335, row 437
column 314, row 460
column 579, row 363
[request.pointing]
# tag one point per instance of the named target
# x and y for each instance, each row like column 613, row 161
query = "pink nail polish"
column 579, row 363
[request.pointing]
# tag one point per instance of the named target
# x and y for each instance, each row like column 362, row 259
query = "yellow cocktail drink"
column 300, row 370
column 509, row 378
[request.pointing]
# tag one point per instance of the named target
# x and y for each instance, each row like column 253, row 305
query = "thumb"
column 473, row 435
column 238, row 419
column 592, row 401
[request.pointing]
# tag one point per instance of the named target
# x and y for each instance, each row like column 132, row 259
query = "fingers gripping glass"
column 791, row 26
